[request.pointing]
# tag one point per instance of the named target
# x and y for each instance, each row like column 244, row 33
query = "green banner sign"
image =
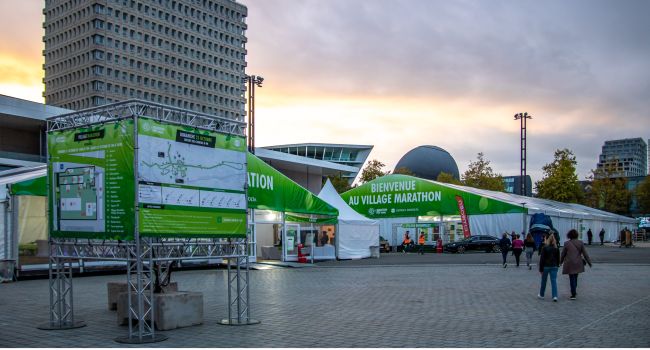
column 407, row 196
column 92, row 186
column 419, row 225
column 313, row 220
column 191, row 181
column 271, row 190
column 33, row 187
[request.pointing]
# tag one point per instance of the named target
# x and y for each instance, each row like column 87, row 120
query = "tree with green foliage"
column 403, row 171
column 608, row 192
column 479, row 174
column 448, row 178
column 340, row 183
column 643, row 195
column 560, row 181
column 372, row 171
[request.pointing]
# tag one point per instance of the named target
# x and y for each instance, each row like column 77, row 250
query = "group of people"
column 407, row 243
column 601, row 235
column 573, row 258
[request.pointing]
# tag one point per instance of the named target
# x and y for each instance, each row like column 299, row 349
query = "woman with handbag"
column 574, row 258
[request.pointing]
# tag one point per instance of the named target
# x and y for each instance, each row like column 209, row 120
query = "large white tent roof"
column 548, row 207
column 346, row 213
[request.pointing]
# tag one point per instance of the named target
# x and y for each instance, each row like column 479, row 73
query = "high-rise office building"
column 628, row 157
column 184, row 53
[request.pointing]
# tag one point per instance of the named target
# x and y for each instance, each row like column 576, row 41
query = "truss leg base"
column 227, row 322
column 61, row 325
column 144, row 340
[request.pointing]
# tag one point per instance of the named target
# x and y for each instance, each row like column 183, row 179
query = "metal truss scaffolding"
column 146, row 258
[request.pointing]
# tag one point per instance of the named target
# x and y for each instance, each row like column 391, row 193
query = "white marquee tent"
column 356, row 233
column 565, row 216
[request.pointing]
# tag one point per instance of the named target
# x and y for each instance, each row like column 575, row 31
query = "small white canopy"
column 356, row 233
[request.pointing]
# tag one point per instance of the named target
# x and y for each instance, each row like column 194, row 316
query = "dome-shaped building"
column 428, row 162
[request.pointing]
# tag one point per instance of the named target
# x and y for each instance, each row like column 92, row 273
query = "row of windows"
column 57, row 8
column 190, row 51
column 209, row 30
column 175, row 90
column 180, row 7
column 235, row 86
column 120, row 93
column 216, row 44
column 179, row 76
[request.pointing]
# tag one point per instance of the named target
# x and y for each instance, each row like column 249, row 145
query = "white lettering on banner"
column 264, row 182
column 415, row 197
column 393, row 186
column 376, row 199
column 354, row 200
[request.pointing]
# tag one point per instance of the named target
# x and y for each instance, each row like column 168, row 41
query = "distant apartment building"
column 628, row 157
column 512, row 184
column 348, row 155
column 184, row 53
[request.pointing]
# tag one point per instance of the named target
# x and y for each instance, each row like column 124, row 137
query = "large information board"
column 191, row 181
column 92, row 187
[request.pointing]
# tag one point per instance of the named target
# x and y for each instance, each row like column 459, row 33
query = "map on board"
column 169, row 162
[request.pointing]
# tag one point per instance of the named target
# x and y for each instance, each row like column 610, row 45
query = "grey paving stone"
column 381, row 306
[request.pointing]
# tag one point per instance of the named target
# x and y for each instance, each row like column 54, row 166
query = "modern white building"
column 348, row 155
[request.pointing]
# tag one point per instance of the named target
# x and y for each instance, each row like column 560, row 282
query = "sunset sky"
column 398, row 74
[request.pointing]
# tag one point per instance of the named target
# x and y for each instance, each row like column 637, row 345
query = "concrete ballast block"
column 172, row 309
column 115, row 288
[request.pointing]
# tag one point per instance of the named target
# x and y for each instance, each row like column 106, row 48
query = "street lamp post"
column 522, row 117
column 252, row 80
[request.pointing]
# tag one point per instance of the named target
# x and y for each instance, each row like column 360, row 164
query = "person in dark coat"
column 590, row 236
column 601, row 235
column 549, row 261
column 572, row 254
column 504, row 244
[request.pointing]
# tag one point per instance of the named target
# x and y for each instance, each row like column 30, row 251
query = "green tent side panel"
column 407, row 196
column 33, row 187
column 267, row 189
column 272, row 190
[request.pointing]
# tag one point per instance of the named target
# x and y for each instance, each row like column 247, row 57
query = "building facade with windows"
column 629, row 157
column 184, row 53
column 351, row 156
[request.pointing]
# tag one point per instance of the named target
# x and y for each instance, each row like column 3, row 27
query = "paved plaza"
column 349, row 305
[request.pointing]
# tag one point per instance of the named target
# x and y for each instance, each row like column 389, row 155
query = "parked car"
column 384, row 246
column 484, row 243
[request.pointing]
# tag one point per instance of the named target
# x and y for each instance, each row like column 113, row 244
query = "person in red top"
column 517, row 248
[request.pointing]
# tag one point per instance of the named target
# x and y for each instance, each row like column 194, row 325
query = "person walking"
column 574, row 258
column 517, row 248
column 406, row 243
column 421, row 243
column 590, row 236
column 601, row 235
column 549, row 261
column 529, row 247
column 504, row 244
